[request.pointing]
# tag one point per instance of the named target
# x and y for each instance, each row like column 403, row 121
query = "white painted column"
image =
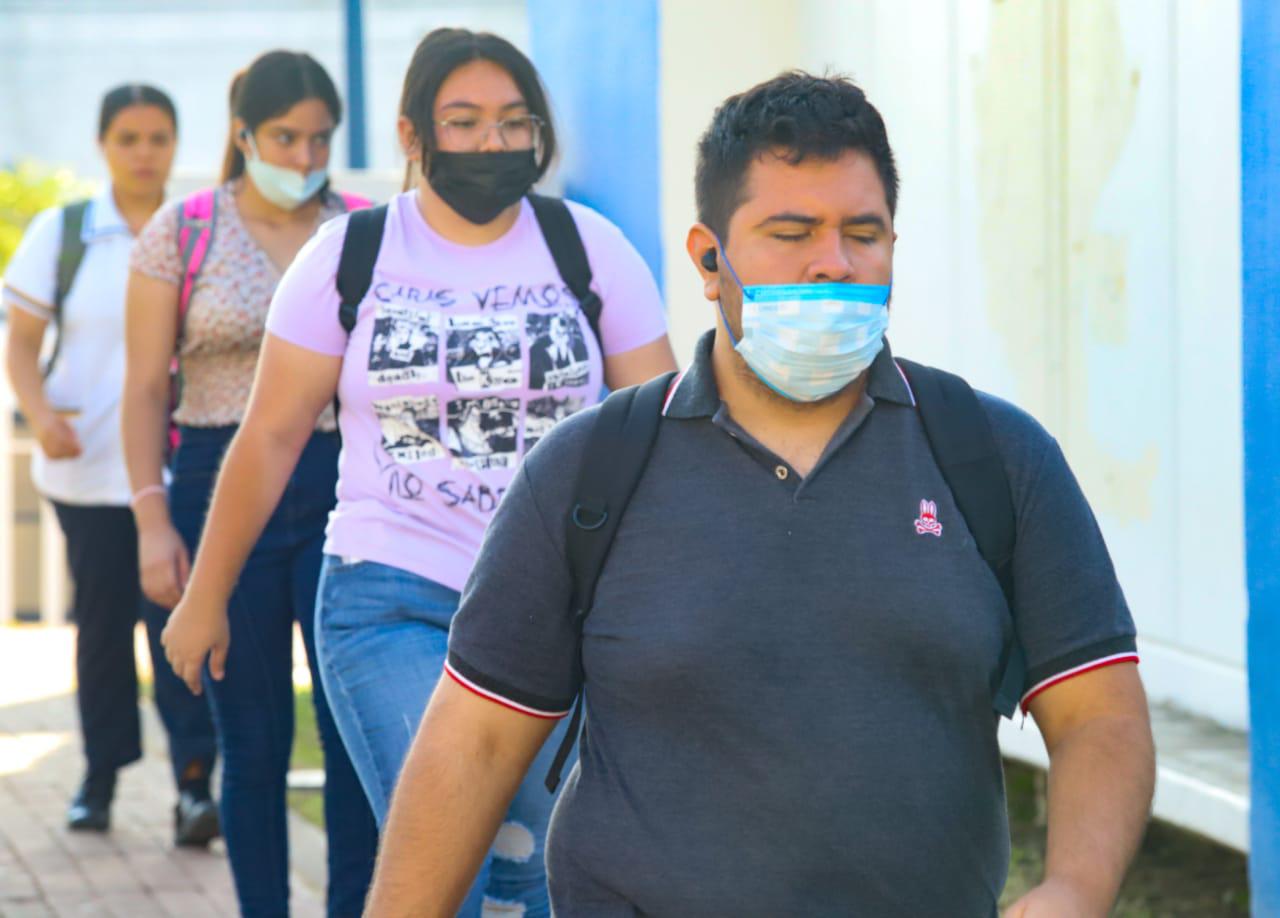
column 53, row 569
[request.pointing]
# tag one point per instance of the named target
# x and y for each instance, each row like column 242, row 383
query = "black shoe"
column 195, row 821
column 90, row 810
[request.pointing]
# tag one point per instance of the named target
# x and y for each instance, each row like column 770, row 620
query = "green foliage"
column 27, row 189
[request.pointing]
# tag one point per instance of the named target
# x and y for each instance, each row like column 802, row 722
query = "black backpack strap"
column 360, row 248
column 565, row 242
column 70, row 255
column 964, row 448
column 618, row 448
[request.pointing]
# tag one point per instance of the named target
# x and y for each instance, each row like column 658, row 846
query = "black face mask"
column 479, row 186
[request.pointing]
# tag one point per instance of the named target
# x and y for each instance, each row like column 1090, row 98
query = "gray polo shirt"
column 789, row 680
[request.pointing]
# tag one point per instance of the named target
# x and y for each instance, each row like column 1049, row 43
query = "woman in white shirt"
column 67, row 279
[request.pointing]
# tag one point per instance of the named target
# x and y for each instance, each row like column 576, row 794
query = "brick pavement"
column 133, row 871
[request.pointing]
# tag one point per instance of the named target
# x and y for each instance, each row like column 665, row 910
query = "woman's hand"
column 163, row 563
column 197, row 630
column 57, row 438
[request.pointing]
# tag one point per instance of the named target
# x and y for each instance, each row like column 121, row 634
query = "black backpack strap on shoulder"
column 565, row 242
column 360, row 248
column 964, row 448
column 618, row 449
column 70, row 255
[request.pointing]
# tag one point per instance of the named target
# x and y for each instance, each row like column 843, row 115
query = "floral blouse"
column 227, row 314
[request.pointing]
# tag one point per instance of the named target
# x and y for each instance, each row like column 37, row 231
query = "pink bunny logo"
column 928, row 523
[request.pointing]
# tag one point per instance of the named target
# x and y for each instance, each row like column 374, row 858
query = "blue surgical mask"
column 282, row 187
column 809, row 341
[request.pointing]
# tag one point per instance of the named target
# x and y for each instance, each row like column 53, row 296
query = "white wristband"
column 146, row 492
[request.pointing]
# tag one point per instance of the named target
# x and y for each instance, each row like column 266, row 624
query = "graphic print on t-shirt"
column 484, row 353
column 558, row 356
column 482, row 432
column 410, row 428
column 405, row 347
column 541, row 414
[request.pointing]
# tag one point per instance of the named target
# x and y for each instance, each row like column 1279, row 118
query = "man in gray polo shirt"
column 794, row 639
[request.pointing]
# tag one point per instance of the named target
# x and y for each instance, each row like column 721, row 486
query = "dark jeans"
column 102, row 552
column 253, row 705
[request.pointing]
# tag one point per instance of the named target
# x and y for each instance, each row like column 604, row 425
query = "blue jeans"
column 253, row 706
column 381, row 635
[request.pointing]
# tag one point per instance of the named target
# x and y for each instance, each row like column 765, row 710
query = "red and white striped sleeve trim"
column 500, row 699
column 1126, row 657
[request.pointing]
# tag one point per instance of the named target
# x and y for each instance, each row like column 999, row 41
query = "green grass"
column 1176, row 874
column 306, row 754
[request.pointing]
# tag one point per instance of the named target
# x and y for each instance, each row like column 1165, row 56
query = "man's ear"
column 704, row 252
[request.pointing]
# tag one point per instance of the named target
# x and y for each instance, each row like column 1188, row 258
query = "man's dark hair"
column 796, row 115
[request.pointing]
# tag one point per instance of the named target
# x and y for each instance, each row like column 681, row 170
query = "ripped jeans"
column 381, row 638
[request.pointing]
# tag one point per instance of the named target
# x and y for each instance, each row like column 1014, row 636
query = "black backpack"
column 959, row 436
column 364, row 238
column 70, row 255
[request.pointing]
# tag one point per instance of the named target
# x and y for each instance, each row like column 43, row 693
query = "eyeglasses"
column 463, row 132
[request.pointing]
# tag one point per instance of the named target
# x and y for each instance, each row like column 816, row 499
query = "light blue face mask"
column 282, row 187
column 809, row 341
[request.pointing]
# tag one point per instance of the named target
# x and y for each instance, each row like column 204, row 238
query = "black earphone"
column 709, row 260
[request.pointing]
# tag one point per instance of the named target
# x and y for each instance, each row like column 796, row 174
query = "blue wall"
column 1260, row 241
column 599, row 60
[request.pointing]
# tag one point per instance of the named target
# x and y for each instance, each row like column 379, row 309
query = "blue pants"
column 253, row 705
column 102, row 552
column 381, row 635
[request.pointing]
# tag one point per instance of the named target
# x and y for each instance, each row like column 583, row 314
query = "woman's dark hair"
column 120, row 98
column 273, row 84
column 444, row 51
column 798, row 116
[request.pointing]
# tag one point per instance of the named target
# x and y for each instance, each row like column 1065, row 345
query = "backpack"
column 196, row 220
column 364, row 238
column 70, row 255
column 195, row 233
column 960, row 439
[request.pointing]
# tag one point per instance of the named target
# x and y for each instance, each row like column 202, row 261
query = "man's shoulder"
column 1019, row 436
column 1022, row 441
column 1012, row 424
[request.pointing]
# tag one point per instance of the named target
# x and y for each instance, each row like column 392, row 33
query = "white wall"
column 73, row 51
column 709, row 50
column 1068, row 239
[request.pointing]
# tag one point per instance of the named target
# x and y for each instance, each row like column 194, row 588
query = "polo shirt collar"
column 695, row 394
column 103, row 218
column 886, row 381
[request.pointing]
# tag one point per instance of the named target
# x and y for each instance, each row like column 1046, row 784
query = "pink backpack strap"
column 354, row 201
column 195, row 232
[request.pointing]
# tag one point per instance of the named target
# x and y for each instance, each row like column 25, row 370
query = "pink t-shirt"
column 461, row 359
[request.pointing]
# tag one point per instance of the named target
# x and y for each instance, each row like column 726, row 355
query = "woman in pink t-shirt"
column 466, row 349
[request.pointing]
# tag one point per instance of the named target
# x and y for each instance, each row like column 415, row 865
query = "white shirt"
column 88, row 376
